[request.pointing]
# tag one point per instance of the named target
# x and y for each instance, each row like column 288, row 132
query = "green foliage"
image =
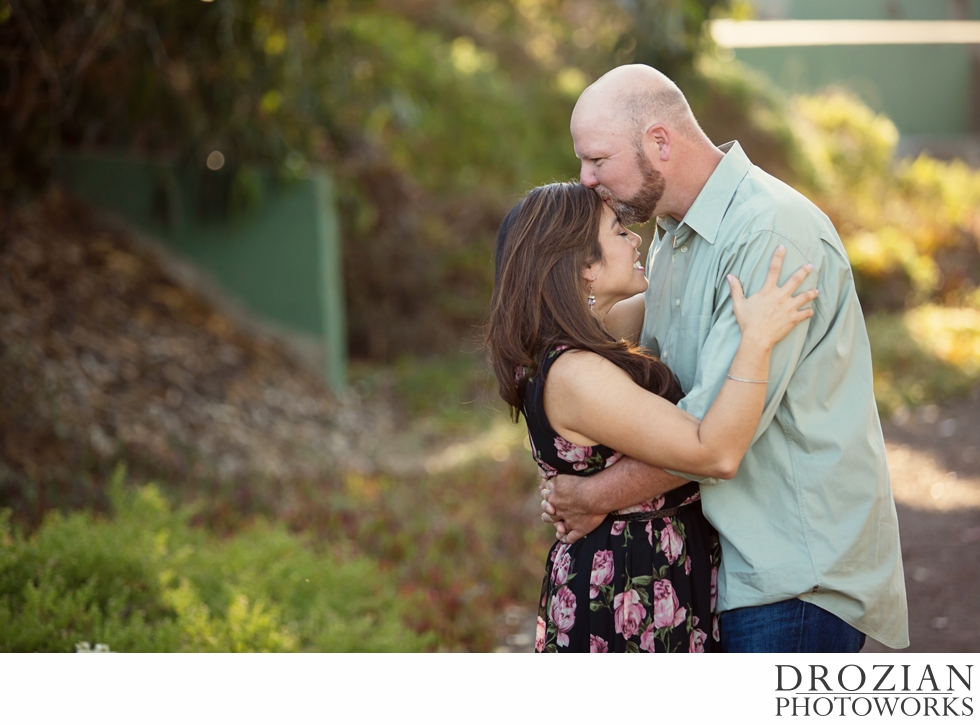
column 465, row 539
column 925, row 355
column 666, row 33
column 433, row 116
column 911, row 227
column 448, row 390
column 435, row 90
column 146, row 581
column 735, row 102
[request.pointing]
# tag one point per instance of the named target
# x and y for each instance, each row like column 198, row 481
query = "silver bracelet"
column 743, row 380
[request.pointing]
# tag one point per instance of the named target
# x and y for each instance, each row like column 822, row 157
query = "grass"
column 144, row 580
column 929, row 354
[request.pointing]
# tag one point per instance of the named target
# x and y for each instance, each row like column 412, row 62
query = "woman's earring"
column 591, row 298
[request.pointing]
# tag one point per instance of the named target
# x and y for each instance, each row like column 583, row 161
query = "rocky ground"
column 106, row 354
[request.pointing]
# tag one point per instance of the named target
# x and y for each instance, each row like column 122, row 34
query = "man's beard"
column 639, row 209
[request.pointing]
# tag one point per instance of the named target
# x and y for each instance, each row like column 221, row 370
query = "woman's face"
column 619, row 275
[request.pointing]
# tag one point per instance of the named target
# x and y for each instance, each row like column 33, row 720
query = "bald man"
column 811, row 560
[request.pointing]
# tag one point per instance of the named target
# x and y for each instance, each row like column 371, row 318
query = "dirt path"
column 934, row 459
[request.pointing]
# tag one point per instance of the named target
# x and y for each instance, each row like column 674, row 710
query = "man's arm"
column 578, row 505
column 750, row 264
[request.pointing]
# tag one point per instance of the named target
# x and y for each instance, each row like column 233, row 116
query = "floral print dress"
column 644, row 581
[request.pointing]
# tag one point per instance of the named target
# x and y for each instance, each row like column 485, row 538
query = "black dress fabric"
column 644, row 581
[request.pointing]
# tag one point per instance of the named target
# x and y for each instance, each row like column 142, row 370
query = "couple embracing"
column 706, row 428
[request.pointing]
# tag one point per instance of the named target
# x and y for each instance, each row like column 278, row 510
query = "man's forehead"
column 596, row 139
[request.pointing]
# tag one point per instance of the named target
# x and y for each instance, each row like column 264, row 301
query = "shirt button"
column 677, row 302
column 684, row 248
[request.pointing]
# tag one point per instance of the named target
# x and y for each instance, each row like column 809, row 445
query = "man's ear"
column 658, row 135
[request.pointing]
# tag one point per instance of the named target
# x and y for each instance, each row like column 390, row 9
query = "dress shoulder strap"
column 537, row 421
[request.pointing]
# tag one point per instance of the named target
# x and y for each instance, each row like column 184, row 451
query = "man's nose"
column 587, row 177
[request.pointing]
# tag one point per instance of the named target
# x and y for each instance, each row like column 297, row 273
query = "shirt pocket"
column 692, row 331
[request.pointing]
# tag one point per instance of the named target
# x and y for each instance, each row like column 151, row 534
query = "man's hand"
column 564, row 506
column 576, row 505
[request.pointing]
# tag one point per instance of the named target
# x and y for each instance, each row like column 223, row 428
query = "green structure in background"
column 272, row 244
column 863, row 9
column 927, row 90
column 922, row 88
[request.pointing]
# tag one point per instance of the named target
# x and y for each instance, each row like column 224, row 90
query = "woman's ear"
column 590, row 273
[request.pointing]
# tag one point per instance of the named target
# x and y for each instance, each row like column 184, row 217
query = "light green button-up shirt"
column 810, row 514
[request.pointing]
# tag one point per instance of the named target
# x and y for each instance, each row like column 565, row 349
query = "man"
column 811, row 560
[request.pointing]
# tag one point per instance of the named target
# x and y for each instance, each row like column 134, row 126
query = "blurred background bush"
column 402, row 514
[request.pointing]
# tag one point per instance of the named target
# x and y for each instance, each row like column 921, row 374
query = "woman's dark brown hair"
column 539, row 302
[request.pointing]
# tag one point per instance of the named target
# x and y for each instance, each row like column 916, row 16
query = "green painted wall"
column 863, row 9
column 279, row 254
column 924, row 89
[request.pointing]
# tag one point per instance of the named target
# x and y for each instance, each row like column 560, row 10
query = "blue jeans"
column 790, row 626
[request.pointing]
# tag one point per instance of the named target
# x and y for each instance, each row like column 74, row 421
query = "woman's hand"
column 767, row 316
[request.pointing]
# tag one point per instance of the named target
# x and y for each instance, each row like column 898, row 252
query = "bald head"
column 641, row 148
column 631, row 98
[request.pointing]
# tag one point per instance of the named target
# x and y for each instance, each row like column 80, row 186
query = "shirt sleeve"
column 750, row 264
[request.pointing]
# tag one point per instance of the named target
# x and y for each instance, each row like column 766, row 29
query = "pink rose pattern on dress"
column 667, row 611
column 698, row 639
column 602, row 572
column 575, row 454
column 612, row 459
column 647, row 613
column 628, row 613
column 539, row 635
column 563, row 614
column 648, row 640
column 671, row 542
column 563, row 560
column 654, row 505
column 597, row 644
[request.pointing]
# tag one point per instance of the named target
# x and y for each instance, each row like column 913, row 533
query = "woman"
column 645, row 579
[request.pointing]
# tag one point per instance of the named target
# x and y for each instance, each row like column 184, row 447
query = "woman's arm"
column 625, row 319
column 589, row 400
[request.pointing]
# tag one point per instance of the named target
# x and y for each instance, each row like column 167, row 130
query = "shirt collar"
column 705, row 215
